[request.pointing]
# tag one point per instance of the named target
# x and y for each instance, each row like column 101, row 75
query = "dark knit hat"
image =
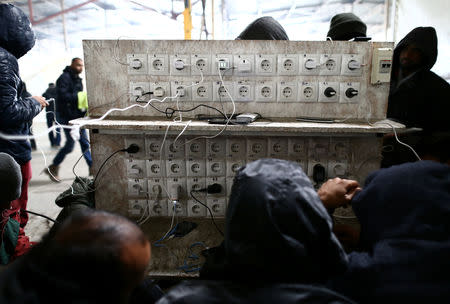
column 346, row 26
column 10, row 179
column 264, row 28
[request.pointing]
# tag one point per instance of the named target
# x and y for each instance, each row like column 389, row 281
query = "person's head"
column 346, row 26
column 264, row 28
column 93, row 256
column 10, row 180
column 77, row 65
column 277, row 229
column 16, row 34
column 417, row 50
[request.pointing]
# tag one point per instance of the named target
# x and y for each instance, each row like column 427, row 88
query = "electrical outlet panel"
column 158, row 208
column 288, row 64
column 182, row 90
column 265, row 91
column 218, row 206
column 287, row 91
column 137, row 64
column 330, row 64
column 160, row 90
column 135, row 168
column 180, row 65
column 243, row 90
column 308, row 91
column 137, row 208
column 266, row 65
column 202, row 92
column 223, row 91
column 158, row 64
column 350, row 92
column 244, row 65
column 352, row 65
column 328, row 91
column 201, row 64
column 310, row 64
column 381, row 65
column 194, row 209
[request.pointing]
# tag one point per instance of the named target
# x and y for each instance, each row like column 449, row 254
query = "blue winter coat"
column 404, row 213
column 16, row 112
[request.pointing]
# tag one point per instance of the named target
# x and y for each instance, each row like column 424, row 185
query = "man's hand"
column 338, row 192
column 41, row 100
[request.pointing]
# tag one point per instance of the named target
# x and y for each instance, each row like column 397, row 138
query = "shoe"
column 52, row 172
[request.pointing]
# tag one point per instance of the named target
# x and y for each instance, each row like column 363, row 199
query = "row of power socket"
column 245, row 65
column 248, row 91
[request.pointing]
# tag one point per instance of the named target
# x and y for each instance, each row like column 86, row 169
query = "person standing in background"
column 54, row 136
column 71, row 103
column 16, row 111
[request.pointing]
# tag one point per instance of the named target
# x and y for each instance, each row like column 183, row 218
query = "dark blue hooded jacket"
column 404, row 213
column 279, row 246
column 16, row 112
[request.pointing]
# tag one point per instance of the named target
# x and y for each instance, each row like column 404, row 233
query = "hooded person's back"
column 279, row 245
column 404, row 213
column 421, row 99
column 16, row 110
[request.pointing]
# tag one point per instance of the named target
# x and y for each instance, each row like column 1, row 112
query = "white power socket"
column 139, row 141
column 236, row 148
column 288, row 64
column 180, row 65
column 265, row 65
column 328, row 91
column 137, row 187
column 196, row 183
column 175, row 150
column 176, row 168
column 137, row 208
column 215, row 167
column 218, row 206
column 278, row 147
column 195, row 149
column 308, row 91
column 337, row 169
column 220, row 93
column 244, row 65
column 182, row 90
column 352, row 65
column 156, row 168
column 135, row 168
column 223, row 63
column 350, row 92
column 330, row 64
column 233, row 165
column 158, row 64
column 256, row 148
column 202, row 92
column 318, row 149
column 157, row 207
column 137, row 64
column 179, row 208
column 287, row 91
column 176, row 188
column 339, row 149
column 156, row 188
column 297, row 148
column 265, row 91
column 153, row 147
column 310, row 64
column 196, row 167
column 243, row 90
column 137, row 89
column 201, row 64
column 216, row 148
column 160, row 90
column 194, row 209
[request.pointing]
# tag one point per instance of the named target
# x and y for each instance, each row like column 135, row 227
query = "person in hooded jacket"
column 418, row 98
column 404, row 214
column 55, row 138
column 279, row 246
column 16, row 110
column 264, row 28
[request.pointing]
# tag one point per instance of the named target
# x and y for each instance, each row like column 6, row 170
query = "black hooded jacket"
column 423, row 100
column 404, row 213
column 278, row 242
column 16, row 110
column 68, row 85
column 264, row 28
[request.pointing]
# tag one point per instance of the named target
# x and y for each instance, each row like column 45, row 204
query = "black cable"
column 210, row 212
column 104, row 162
column 41, row 215
column 169, row 112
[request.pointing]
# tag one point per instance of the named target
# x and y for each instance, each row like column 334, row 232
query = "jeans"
column 55, row 139
column 69, row 145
